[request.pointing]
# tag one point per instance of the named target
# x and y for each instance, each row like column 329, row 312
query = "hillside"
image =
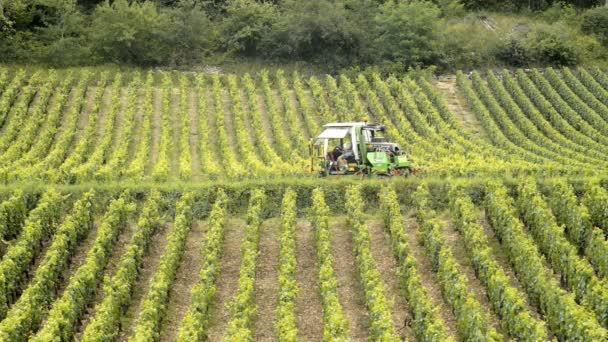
column 178, row 206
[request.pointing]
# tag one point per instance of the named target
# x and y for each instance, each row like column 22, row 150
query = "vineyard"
column 174, row 206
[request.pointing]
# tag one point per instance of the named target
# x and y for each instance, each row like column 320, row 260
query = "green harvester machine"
column 357, row 148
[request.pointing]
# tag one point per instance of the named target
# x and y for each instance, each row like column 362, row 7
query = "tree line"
column 332, row 34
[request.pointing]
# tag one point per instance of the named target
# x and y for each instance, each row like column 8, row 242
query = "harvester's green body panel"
column 380, row 161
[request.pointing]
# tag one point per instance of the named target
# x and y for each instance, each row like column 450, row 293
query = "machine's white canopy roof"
column 345, row 124
column 334, row 133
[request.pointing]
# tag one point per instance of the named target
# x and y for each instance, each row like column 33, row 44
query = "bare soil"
column 149, row 266
column 156, row 125
column 136, row 135
column 119, row 123
column 266, row 281
column 385, row 262
column 429, row 278
column 228, row 281
column 229, row 125
column 187, row 276
column 309, row 310
column 457, row 105
column 264, row 116
column 194, row 135
column 350, row 291
column 176, row 123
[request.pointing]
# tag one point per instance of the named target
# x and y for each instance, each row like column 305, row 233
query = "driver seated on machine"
column 346, row 156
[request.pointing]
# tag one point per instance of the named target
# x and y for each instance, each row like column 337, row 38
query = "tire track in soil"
column 150, row 264
column 229, row 126
column 228, row 281
column 176, row 125
column 309, row 310
column 124, row 240
column 156, row 126
column 266, row 281
column 429, row 278
column 350, row 291
column 187, row 276
column 387, row 266
column 465, row 267
column 194, row 134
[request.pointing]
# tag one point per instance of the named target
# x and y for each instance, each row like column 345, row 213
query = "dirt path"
column 228, row 281
column 457, row 105
column 175, row 119
column 229, row 125
column 187, row 276
column 156, row 126
column 124, row 240
column 119, row 123
column 83, row 119
column 266, row 281
column 429, row 278
column 296, row 105
column 385, row 261
column 194, row 135
column 149, row 266
column 309, row 310
column 350, row 291
column 465, row 266
column 136, row 135
column 264, row 116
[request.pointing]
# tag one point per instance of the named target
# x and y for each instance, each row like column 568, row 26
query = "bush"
column 246, row 23
column 130, row 33
column 595, row 21
column 315, row 30
column 408, row 33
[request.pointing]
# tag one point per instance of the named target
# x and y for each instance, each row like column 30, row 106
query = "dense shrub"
column 595, row 22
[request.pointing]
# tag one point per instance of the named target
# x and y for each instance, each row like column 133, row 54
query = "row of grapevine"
column 576, row 272
column 288, row 286
column 26, row 315
column 9, row 94
column 141, row 159
column 185, row 157
column 586, row 96
column 530, row 120
column 64, row 316
column 194, row 325
column 43, row 111
column 566, row 319
column 38, row 227
column 117, row 160
column 154, row 306
column 379, row 306
column 13, row 213
column 550, row 113
column 160, row 172
column 208, row 155
column 578, row 227
column 242, row 306
column 427, row 325
column 507, row 301
column 86, row 170
column 117, row 291
column 596, row 200
column 18, row 112
column 335, row 326
column 472, row 320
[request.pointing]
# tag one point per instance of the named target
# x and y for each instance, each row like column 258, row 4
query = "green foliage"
column 407, row 33
column 124, row 32
column 246, row 23
column 595, row 21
